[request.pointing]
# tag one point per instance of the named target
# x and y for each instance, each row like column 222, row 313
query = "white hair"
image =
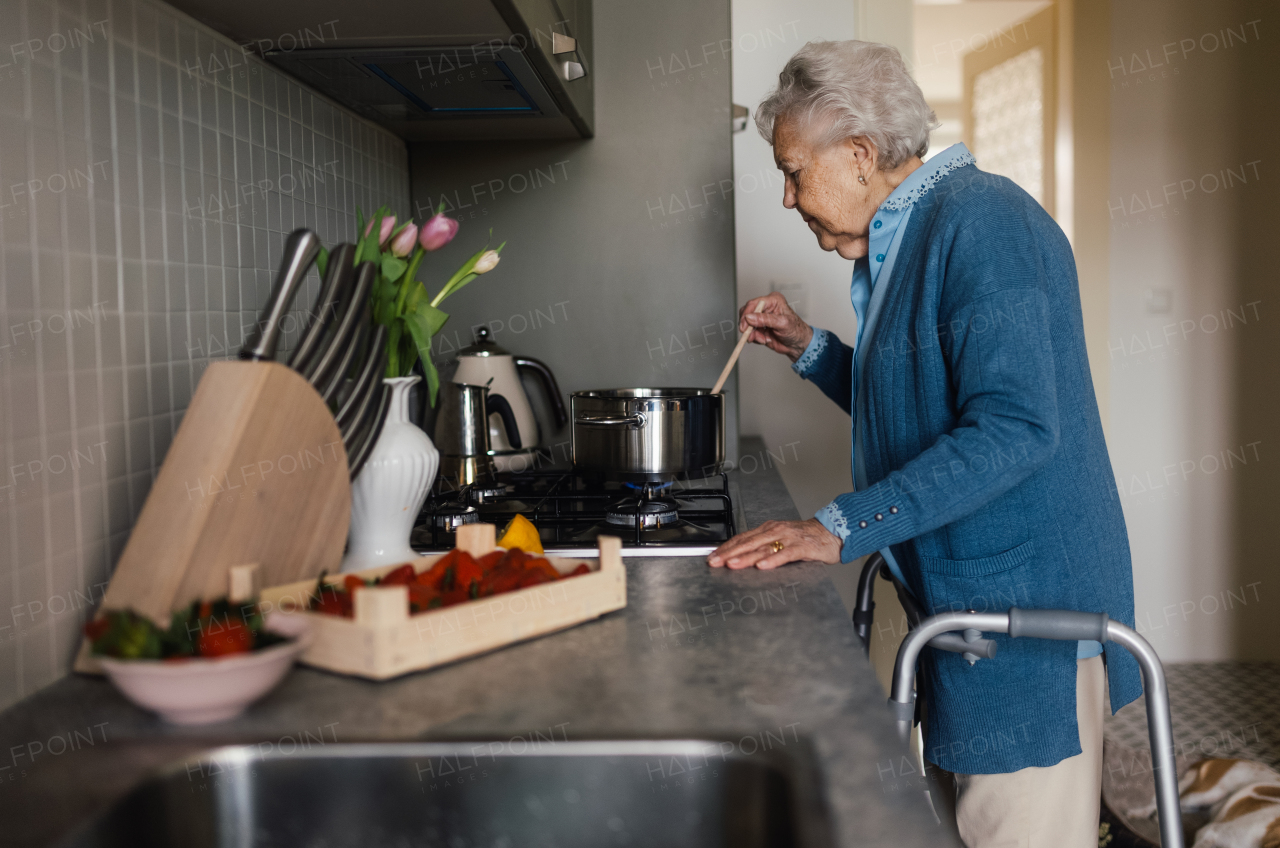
column 855, row 88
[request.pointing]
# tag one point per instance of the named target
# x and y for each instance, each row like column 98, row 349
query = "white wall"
column 1181, row 308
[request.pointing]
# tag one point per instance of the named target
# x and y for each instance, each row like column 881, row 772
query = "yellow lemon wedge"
column 521, row 533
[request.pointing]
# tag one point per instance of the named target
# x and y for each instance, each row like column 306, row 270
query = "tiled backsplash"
column 149, row 173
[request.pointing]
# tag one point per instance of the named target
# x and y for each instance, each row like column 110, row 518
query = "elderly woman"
column 979, row 466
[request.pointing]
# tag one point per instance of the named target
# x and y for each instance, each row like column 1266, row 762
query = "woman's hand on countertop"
column 802, row 541
column 777, row 326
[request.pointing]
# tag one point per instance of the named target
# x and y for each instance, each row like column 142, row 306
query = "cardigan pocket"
column 981, row 566
column 986, row 584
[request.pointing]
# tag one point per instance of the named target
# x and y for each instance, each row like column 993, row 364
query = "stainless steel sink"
column 459, row 795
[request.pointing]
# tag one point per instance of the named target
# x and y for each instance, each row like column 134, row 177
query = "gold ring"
column 777, row 545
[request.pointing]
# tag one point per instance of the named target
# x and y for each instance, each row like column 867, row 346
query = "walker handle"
column 1064, row 625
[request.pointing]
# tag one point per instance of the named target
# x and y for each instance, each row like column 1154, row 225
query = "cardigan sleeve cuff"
column 833, row 519
column 867, row 521
column 818, row 345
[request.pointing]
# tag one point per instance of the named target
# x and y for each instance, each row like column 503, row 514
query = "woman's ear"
column 864, row 154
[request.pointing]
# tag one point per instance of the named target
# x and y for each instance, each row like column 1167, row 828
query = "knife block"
column 256, row 474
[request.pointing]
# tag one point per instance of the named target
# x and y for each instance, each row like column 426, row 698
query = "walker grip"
column 1066, row 625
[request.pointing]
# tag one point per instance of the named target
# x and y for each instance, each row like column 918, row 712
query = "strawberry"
column 402, row 576
column 96, row 629
column 220, row 640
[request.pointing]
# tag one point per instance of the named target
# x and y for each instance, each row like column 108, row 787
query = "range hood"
column 430, row 69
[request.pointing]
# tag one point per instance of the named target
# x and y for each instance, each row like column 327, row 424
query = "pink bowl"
column 203, row 691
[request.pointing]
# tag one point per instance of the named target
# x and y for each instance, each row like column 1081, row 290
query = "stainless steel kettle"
column 462, row 432
column 485, row 363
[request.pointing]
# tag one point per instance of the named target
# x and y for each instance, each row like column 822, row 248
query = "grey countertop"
column 697, row 653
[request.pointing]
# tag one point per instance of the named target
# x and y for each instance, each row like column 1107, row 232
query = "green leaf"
column 368, row 248
column 384, row 297
column 322, row 261
column 408, row 352
column 424, row 322
column 393, row 267
column 459, row 284
column 393, row 347
column 410, row 277
column 414, row 293
column 464, row 275
column 429, row 317
column 433, row 379
column 466, row 268
column 450, row 286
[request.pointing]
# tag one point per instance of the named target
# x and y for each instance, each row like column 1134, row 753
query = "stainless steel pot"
column 648, row 435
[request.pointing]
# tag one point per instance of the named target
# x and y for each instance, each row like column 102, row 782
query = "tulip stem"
column 406, row 282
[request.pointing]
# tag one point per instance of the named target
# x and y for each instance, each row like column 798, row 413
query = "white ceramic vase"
column 388, row 494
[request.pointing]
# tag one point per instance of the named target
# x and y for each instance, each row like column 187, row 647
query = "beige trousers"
column 1051, row 807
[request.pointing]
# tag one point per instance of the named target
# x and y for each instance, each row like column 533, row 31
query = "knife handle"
column 370, row 374
column 368, row 439
column 321, row 367
column 361, row 399
column 300, row 250
column 329, row 389
column 341, row 272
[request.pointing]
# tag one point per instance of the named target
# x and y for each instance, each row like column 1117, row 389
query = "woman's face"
column 822, row 185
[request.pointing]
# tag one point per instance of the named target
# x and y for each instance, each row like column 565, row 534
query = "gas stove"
column 683, row 518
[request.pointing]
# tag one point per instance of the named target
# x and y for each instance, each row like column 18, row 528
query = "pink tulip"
column 388, row 224
column 402, row 245
column 437, row 232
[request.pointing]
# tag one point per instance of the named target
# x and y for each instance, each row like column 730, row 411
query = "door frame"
column 1039, row 30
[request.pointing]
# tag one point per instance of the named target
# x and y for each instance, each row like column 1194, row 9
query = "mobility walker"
column 961, row 633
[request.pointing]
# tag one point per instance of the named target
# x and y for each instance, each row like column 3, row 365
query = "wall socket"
column 1159, row 301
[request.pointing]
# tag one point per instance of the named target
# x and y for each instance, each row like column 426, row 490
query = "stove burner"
column 482, row 493
column 451, row 516
column 647, row 488
column 653, row 512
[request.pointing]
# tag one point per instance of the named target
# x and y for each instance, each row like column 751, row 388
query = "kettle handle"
column 500, row 405
column 549, row 383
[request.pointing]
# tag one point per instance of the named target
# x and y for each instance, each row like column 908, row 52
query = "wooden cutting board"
column 256, row 474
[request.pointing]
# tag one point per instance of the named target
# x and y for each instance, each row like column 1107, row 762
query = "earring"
column 862, row 179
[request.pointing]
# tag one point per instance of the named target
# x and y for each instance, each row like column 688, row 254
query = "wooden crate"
column 384, row 640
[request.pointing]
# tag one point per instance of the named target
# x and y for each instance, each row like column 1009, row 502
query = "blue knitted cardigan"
column 989, row 475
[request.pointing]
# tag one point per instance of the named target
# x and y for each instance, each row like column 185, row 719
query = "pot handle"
column 635, row 422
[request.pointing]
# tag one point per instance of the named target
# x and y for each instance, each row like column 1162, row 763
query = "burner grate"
column 651, row 513
column 570, row 511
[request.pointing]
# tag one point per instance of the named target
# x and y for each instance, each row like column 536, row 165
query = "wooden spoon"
column 737, row 351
